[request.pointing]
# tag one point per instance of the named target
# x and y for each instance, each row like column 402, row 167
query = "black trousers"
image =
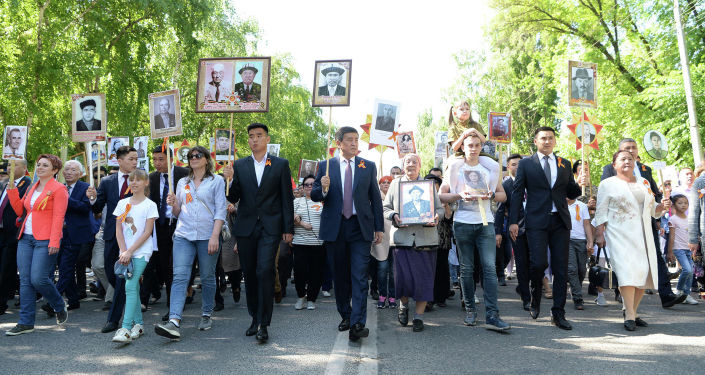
column 504, row 255
column 257, row 253
column 308, row 270
column 83, row 262
column 521, row 261
column 557, row 238
column 111, row 255
column 8, row 265
column 441, row 282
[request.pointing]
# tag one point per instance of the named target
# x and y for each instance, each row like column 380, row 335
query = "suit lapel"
column 250, row 169
column 359, row 167
column 335, row 173
column 537, row 162
column 267, row 168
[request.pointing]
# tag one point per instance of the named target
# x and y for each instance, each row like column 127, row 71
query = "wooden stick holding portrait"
column 230, row 153
column 330, row 125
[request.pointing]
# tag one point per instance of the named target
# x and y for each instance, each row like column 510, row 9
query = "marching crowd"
column 347, row 232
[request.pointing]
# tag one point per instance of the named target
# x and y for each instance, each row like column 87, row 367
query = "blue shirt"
column 195, row 220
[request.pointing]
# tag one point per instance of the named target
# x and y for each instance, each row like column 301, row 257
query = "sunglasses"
column 308, row 185
column 195, row 155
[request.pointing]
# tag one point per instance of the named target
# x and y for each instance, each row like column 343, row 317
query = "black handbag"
column 602, row 276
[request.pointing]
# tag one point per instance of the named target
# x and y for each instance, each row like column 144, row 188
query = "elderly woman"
column 42, row 211
column 200, row 206
column 625, row 205
column 414, row 247
column 385, row 259
column 309, row 254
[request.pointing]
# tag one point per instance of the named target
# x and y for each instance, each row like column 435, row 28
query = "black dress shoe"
column 218, row 307
column 344, row 325
column 534, row 312
column 358, row 331
column 50, row 312
column 527, row 306
column 109, row 327
column 560, row 322
column 418, row 325
column 107, row 306
column 73, row 306
column 189, row 299
column 374, row 294
column 630, row 325
column 165, row 318
column 640, row 322
column 278, row 297
column 236, row 295
column 403, row 316
column 262, row 335
column 672, row 299
column 252, row 330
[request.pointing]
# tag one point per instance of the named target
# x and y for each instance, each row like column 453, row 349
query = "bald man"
column 164, row 119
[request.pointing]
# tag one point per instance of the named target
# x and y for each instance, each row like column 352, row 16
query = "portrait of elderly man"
column 14, row 144
column 582, row 87
column 248, row 90
column 332, row 87
column 217, row 90
column 416, row 206
column 164, row 119
column 88, row 122
column 385, row 118
column 222, row 142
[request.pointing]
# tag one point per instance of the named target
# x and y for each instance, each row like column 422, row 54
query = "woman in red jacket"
column 41, row 212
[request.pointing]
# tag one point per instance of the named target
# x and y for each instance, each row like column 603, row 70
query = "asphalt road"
column 307, row 342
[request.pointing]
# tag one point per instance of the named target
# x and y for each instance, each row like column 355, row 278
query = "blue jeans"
column 385, row 271
column 685, row 281
column 133, row 307
column 468, row 238
column 34, row 264
column 185, row 251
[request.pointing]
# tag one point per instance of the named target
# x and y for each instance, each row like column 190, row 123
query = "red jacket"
column 47, row 221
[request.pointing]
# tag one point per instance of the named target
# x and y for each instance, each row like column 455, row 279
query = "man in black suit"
column 160, row 267
column 332, row 87
column 547, row 180
column 164, row 119
column 8, row 234
column 265, row 217
column 248, row 90
column 88, row 122
column 111, row 190
column 668, row 298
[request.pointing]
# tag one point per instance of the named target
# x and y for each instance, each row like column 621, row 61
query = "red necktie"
column 124, row 187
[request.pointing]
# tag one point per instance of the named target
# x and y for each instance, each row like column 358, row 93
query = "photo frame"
column 307, row 167
column 113, row 144
column 14, row 143
column 416, row 202
column 331, row 83
column 656, row 144
column 88, row 117
column 181, row 155
column 233, row 84
column 81, row 158
column 165, row 114
column 223, row 144
column 582, row 84
column 273, row 149
column 96, row 150
column 405, row 144
column 441, row 144
column 385, row 120
column 141, row 144
column 500, row 127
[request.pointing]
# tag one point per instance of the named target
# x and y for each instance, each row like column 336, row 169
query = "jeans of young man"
column 577, row 263
column 385, row 276
column 185, row 251
column 685, row 281
column 34, row 264
column 471, row 237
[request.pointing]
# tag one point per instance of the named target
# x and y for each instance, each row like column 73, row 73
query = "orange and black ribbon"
column 43, row 203
column 577, row 213
column 362, row 164
column 268, row 162
column 189, row 198
column 122, row 217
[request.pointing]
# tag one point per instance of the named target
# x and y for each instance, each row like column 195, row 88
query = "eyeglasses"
column 308, row 185
column 195, row 155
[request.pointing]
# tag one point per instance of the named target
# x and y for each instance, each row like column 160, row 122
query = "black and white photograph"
column 405, row 144
column 114, row 143
column 441, row 144
column 307, row 167
column 88, row 117
column 582, row 84
column 385, row 121
column 165, row 114
column 500, row 127
column 14, row 143
column 141, row 144
column 233, row 84
column 223, row 144
column 332, row 83
column 475, row 184
column 273, row 149
column 655, row 144
column 416, row 201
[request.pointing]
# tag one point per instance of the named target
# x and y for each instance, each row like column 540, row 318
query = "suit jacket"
column 540, row 197
column 252, row 96
column 339, row 91
column 77, row 228
column 108, row 194
column 411, row 211
column 81, row 126
column 366, row 198
column 47, row 217
column 384, row 125
column 154, row 189
column 645, row 171
column 272, row 202
column 9, row 216
column 159, row 123
column 504, row 208
column 576, row 95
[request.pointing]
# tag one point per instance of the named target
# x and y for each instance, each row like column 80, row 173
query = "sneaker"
column 300, row 303
column 136, row 331
column 477, row 300
column 470, row 318
column 392, row 303
column 326, row 293
column 310, row 305
column 122, row 335
column 19, row 329
column 495, row 323
column 381, row 304
column 206, row 323
column 690, row 300
column 600, row 300
column 168, row 330
column 62, row 316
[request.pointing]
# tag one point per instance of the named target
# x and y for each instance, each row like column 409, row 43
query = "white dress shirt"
column 343, row 166
column 259, row 167
column 554, row 171
column 332, row 89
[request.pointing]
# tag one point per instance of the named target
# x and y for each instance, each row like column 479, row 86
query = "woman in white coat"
column 625, row 205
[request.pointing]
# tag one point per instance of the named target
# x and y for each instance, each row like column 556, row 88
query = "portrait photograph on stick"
column 165, row 114
column 96, row 152
column 582, row 84
column 88, row 114
column 385, row 121
column 14, row 143
column 233, row 84
column 416, row 201
column 441, row 144
column 331, row 84
column 405, row 144
column 500, row 126
column 224, row 142
column 114, row 143
column 655, row 144
column 273, row 149
column 307, row 167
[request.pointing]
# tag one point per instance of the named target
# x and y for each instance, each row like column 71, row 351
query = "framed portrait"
column 441, row 144
column 88, row 117
column 233, row 84
column 307, row 167
column 141, row 144
column 143, row 164
column 590, row 133
column 416, row 202
column 474, row 182
column 81, row 158
column 165, row 114
column 273, row 149
column 385, row 120
column 490, row 148
column 14, row 143
column 582, row 84
column 223, row 144
column 96, row 152
column 181, row 159
column 500, row 126
column 405, row 144
column 655, row 144
column 114, row 143
column 331, row 85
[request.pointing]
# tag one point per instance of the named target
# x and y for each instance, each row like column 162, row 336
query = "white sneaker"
column 122, row 335
column 300, row 303
column 136, row 331
column 690, row 300
column 310, row 305
column 326, row 293
column 477, row 300
column 601, row 301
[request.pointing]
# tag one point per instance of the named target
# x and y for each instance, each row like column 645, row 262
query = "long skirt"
column 414, row 271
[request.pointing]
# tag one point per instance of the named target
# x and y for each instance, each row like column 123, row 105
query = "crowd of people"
column 347, row 231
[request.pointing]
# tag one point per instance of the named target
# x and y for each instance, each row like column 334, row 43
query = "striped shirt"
column 310, row 212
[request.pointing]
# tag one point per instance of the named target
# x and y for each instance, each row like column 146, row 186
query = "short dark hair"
column 544, row 129
column 576, row 165
column 258, row 125
column 307, row 177
column 209, row 161
column 102, row 168
column 435, row 178
column 654, row 134
column 435, row 169
column 340, row 134
column 392, row 168
column 513, row 156
column 676, row 197
column 124, row 150
column 158, row 150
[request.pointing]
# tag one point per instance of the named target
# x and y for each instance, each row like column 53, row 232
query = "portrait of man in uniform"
column 656, row 145
column 248, row 90
column 233, row 84
column 223, row 144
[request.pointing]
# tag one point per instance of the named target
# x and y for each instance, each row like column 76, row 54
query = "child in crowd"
column 581, row 242
column 136, row 216
column 678, row 246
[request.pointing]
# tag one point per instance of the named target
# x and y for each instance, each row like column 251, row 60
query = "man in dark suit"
column 261, row 184
column 111, row 190
column 164, row 119
column 8, row 234
column 547, row 180
column 332, row 87
column 668, row 298
column 350, row 222
column 88, row 122
column 248, row 90
column 160, row 267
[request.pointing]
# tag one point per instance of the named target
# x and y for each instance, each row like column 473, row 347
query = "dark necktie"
column 347, row 192
column 124, row 187
column 547, row 169
column 3, row 205
column 162, row 203
column 217, row 92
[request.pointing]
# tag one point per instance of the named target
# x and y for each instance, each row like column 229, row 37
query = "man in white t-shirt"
column 581, row 242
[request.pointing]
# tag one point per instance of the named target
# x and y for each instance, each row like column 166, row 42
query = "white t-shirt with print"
column 133, row 226
column 474, row 179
